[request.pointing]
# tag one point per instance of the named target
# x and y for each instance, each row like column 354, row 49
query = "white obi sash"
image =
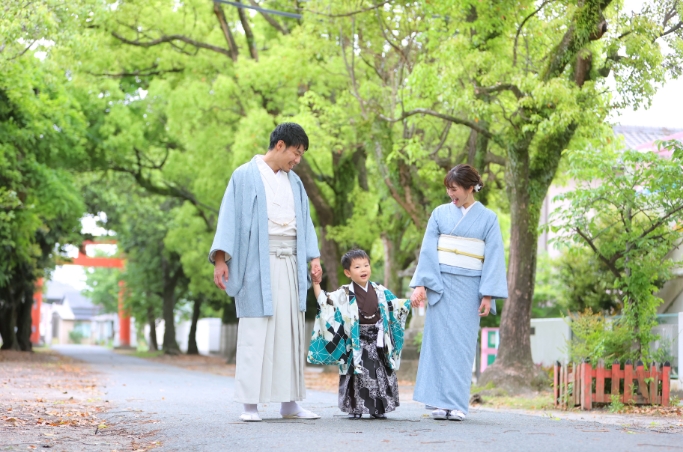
column 461, row 252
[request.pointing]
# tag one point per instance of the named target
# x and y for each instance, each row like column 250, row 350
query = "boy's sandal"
column 250, row 417
column 379, row 416
column 355, row 416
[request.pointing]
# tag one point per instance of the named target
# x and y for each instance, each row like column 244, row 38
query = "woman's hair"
column 465, row 176
column 348, row 258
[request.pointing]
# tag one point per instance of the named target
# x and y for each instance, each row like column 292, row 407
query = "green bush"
column 76, row 336
column 596, row 337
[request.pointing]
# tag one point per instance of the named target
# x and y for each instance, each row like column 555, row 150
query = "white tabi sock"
column 250, row 408
column 287, row 408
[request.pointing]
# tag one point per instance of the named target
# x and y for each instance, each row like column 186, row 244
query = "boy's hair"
column 350, row 256
column 291, row 133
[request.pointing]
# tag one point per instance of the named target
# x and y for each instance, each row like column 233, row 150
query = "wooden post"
column 616, row 378
column 628, row 381
column 576, row 371
column 666, row 371
column 642, row 386
column 556, row 382
column 586, row 386
column 600, row 382
column 654, row 383
column 565, row 385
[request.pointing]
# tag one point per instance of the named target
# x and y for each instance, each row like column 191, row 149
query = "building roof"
column 76, row 305
column 636, row 137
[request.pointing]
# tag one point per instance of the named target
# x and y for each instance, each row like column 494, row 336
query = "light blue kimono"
column 242, row 233
column 454, row 294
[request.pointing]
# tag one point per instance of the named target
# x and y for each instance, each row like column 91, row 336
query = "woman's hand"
column 485, row 307
column 418, row 297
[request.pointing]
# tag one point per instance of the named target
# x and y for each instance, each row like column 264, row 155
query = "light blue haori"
column 242, row 233
column 451, row 327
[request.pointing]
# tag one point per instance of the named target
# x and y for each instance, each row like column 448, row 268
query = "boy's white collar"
column 367, row 285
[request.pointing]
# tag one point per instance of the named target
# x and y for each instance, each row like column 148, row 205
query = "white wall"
column 549, row 341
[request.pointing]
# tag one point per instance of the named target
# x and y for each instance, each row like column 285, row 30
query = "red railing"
column 579, row 384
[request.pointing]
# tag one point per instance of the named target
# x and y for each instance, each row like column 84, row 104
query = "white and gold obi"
column 461, row 252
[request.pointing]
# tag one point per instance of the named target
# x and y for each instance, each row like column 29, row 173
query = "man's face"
column 288, row 156
column 359, row 272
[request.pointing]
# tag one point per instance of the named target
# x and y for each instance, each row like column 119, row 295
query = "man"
column 263, row 242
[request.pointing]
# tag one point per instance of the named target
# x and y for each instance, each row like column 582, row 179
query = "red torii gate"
column 86, row 261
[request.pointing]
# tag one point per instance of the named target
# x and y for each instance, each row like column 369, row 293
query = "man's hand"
column 220, row 270
column 316, row 271
column 485, row 307
column 418, row 297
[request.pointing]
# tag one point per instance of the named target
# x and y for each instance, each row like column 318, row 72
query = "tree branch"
column 148, row 72
column 351, row 13
column 170, row 39
column 497, row 159
column 500, row 87
column 270, row 19
column 251, row 41
column 320, row 204
column 220, row 15
column 607, row 262
column 673, row 29
column 453, row 119
column 519, row 30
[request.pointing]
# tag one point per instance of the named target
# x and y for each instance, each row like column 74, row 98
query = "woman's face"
column 459, row 195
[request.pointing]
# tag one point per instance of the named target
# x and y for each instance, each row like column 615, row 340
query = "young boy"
column 360, row 326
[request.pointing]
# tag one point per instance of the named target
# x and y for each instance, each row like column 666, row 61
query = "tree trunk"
column 7, row 323
column 192, row 340
column 514, row 368
column 170, row 345
column 151, row 320
column 24, row 319
column 329, row 255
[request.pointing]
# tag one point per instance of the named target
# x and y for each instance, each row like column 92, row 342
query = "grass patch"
column 538, row 401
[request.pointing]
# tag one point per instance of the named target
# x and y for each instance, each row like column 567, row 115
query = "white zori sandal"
column 302, row 414
column 456, row 415
column 250, row 417
column 439, row 414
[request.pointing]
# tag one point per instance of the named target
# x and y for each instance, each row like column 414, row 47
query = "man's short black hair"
column 352, row 255
column 291, row 133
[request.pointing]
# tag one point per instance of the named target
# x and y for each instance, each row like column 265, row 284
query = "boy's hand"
column 418, row 297
column 316, row 271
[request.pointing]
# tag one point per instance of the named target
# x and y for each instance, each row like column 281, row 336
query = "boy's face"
column 359, row 271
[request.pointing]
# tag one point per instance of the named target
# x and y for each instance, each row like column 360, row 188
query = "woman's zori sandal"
column 450, row 415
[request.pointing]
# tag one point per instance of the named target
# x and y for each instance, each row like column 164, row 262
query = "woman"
column 460, row 271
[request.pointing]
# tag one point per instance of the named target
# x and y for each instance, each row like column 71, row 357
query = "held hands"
column 316, row 271
column 418, row 297
column 485, row 307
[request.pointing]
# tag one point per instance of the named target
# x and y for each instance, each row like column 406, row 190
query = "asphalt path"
column 194, row 411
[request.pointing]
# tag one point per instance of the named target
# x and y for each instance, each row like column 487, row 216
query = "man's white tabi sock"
column 287, row 408
column 250, row 408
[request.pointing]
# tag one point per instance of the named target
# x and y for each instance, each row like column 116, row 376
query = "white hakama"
column 270, row 350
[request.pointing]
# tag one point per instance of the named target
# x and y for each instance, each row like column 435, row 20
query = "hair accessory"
column 477, row 187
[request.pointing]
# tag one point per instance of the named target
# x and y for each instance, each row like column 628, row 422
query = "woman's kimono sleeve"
column 493, row 277
column 428, row 272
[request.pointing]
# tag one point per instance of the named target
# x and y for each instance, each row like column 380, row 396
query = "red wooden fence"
column 579, row 384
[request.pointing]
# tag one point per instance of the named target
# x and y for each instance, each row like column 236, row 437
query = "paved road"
column 196, row 413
